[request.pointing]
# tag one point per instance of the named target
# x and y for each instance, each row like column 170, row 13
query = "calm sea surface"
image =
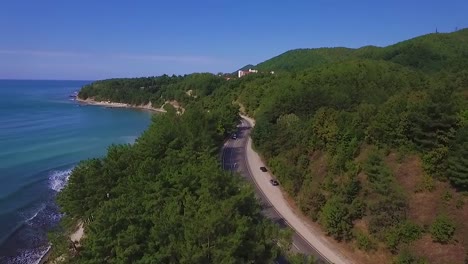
column 43, row 134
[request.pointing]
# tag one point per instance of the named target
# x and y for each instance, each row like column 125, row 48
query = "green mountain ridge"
column 431, row 52
column 245, row 68
column 300, row 59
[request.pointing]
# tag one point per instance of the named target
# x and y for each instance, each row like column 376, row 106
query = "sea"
column 44, row 133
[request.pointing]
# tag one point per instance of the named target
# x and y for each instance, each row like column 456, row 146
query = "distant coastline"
column 109, row 104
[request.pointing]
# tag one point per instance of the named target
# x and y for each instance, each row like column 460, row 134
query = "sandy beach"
column 75, row 237
column 78, row 234
column 110, row 104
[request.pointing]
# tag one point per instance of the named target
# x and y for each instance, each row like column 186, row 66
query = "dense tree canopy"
column 334, row 103
column 168, row 200
column 165, row 199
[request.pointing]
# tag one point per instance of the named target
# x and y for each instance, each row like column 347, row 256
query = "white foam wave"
column 43, row 253
column 31, row 256
column 58, row 179
column 42, row 207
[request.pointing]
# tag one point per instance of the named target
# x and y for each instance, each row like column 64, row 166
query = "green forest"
column 165, row 198
column 138, row 91
column 363, row 140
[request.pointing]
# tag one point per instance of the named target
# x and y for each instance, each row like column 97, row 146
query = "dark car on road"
column 274, row 182
column 263, row 169
column 234, row 136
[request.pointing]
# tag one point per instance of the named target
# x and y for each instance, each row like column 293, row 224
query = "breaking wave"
column 58, row 179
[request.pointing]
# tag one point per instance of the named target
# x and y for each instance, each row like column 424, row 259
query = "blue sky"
column 102, row 39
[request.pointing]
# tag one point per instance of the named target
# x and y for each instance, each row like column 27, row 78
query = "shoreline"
column 78, row 234
column 75, row 238
column 110, row 104
column 45, row 258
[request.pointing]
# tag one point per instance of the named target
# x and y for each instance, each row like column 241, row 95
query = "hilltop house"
column 241, row 73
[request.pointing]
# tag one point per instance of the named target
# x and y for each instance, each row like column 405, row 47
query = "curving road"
column 239, row 156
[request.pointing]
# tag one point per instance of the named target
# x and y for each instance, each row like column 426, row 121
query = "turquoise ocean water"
column 43, row 134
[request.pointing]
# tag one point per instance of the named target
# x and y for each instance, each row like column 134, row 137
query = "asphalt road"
column 234, row 159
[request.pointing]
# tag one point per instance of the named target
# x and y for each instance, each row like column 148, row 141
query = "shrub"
column 404, row 233
column 427, row 184
column 403, row 152
column 335, row 218
column 410, row 232
column 435, row 162
column 365, row 242
column 357, row 209
column 447, row 196
column 386, row 212
column 442, row 229
column 353, row 168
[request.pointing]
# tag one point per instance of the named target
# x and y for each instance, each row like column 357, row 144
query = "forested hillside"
column 433, row 52
column 370, row 143
column 296, row 60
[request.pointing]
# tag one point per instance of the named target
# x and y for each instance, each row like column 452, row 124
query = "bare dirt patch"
column 424, row 206
column 318, row 164
column 408, row 173
column 437, row 253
